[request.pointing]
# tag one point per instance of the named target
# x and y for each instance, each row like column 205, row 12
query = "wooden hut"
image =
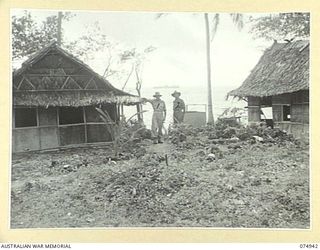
column 54, row 100
column 280, row 80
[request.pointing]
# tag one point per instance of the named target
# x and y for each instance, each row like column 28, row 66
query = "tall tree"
column 59, row 28
column 281, row 26
column 28, row 36
column 136, row 59
column 211, row 24
column 211, row 33
column 210, row 104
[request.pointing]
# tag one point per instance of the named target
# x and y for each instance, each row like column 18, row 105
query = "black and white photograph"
column 126, row 119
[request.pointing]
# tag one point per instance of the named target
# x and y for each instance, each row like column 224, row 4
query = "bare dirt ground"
column 246, row 184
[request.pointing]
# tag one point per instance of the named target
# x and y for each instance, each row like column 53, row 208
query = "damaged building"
column 54, row 100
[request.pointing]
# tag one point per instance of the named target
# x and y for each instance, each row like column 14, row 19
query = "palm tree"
column 209, row 90
column 238, row 21
column 210, row 34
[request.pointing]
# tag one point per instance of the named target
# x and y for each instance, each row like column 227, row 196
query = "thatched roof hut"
column 72, row 83
column 280, row 80
column 55, row 97
column 283, row 68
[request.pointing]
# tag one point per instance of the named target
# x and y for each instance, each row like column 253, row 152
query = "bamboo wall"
column 50, row 133
column 299, row 109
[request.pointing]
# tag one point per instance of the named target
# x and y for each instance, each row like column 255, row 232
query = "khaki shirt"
column 178, row 105
column 158, row 105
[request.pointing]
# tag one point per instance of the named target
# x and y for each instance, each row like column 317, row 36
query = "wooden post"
column 139, row 109
column 13, row 118
column 121, row 110
column 38, row 128
column 85, row 125
column 58, row 127
column 118, row 113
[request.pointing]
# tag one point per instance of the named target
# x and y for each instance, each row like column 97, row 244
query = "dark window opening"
column 111, row 110
column 25, row 117
column 69, row 115
column 286, row 111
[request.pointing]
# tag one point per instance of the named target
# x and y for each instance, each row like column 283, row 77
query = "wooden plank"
column 70, row 125
column 87, row 84
column 282, row 99
column 62, row 90
column 65, row 125
column 19, row 85
column 254, row 101
column 75, row 82
column 65, row 82
column 30, row 83
column 277, row 104
column 48, row 75
column 79, row 124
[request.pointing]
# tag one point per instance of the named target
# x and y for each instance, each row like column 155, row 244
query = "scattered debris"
column 258, row 138
column 211, row 157
column 222, row 175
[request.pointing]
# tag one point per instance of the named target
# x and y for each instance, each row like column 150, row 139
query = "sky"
column 179, row 39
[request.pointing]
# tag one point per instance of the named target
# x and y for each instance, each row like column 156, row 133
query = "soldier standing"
column 178, row 108
column 158, row 117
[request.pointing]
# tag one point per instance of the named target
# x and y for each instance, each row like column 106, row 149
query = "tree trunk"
column 59, row 32
column 138, row 88
column 210, row 106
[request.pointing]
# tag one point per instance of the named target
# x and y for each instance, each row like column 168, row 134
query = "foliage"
column 136, row 59
column 232, row 112
column 211, row 30
column 237, row 19
column 225, row 131
column 28, row 36
column 122, row 132
column 281, row 26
